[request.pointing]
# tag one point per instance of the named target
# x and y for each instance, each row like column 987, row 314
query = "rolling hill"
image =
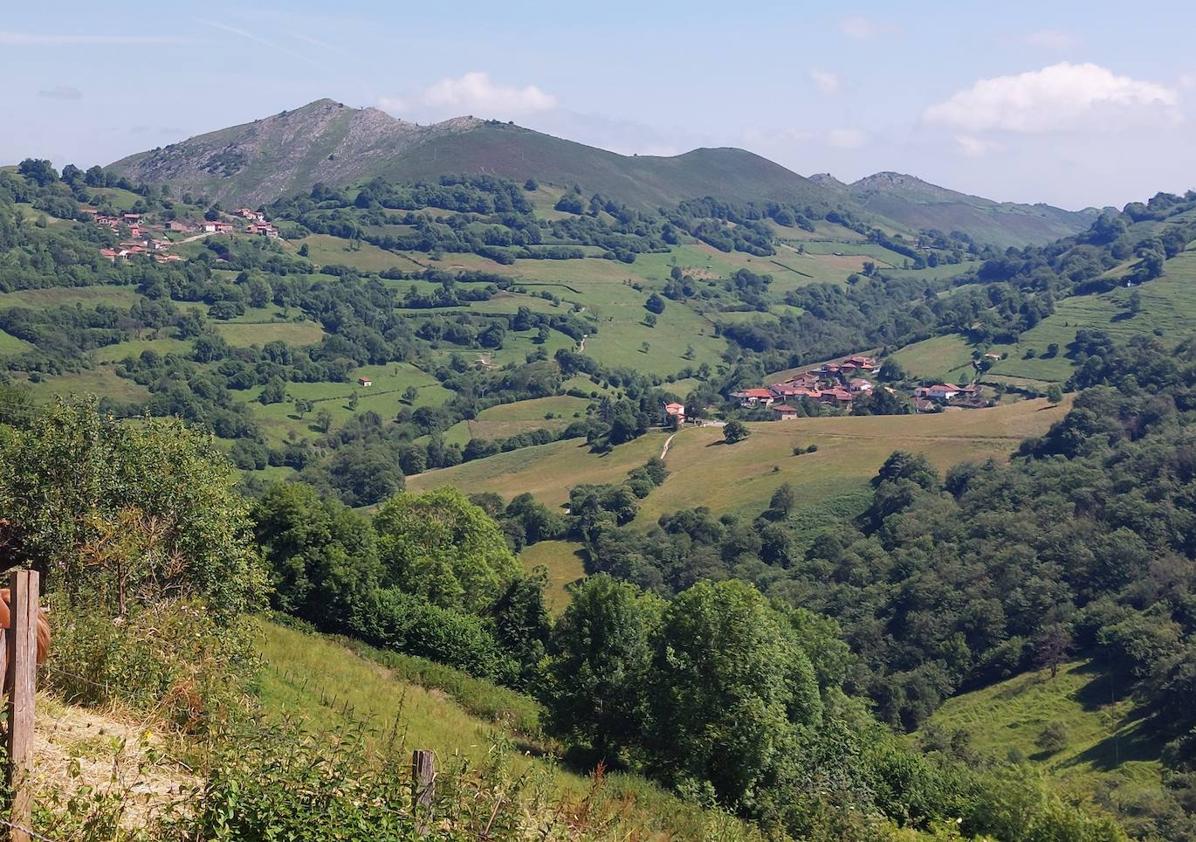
column 325, row 141
column 920, row 205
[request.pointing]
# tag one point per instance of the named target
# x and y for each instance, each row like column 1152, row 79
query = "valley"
column 662, row 497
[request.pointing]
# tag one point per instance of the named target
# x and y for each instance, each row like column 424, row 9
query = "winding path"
column 664, row 451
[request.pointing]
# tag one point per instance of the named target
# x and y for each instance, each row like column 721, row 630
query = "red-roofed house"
column 859, row 384
column 754, row 397
column 863, row 363
column 675, row 410
column 784, row 412
column 217, row 227
column 837, row 397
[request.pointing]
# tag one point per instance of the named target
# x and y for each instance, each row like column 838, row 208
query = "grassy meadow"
column 1105, row 740
column 10, row 344
column 741, row 478
column 324, row 686
column 564, row 563
column 385, row 396
column 944, row 358
column 101, row 380
column 40, row 299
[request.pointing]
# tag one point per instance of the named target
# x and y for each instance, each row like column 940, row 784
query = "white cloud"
column 61, row 92
column 393, row 104
column 1187, row 80
column 827, row 82
column 860, row 27
column 1057, row 98
column 476, row 92
column 1052, row 39
column 974, row 147
column 846, row 138
column 33, row 39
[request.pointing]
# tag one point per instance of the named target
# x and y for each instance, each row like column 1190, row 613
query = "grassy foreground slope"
column 330, row 688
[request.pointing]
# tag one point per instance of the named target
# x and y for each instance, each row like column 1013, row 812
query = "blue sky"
column 1073, row 103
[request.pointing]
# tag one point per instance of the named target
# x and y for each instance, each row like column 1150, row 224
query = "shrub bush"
column 172, row 660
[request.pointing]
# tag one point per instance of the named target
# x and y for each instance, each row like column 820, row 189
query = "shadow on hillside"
column 1133, row 743
column 1102, row 688
column 718, row 443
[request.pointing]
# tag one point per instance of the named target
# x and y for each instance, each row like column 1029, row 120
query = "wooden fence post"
column 20, row 684
column 423, row 778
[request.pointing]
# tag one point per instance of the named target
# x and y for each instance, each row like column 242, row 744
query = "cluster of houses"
column 140, row 234
column 835, row 384
column 840, row 384
column 930, row 398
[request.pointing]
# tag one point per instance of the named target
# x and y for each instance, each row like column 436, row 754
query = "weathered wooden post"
column 20, row 678
column 423, row 778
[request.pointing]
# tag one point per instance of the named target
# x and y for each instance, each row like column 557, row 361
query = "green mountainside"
column 920, row 205
column 328, row 142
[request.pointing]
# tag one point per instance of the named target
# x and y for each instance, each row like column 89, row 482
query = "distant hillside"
column 328, row 142
column 921, row 205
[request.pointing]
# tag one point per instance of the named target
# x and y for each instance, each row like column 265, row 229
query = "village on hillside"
column 142, row 237
column 841, row 383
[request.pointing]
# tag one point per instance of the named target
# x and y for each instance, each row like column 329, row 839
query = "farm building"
column 784, row 412
column 675, row 410
column 937, row 392
column 364, row 381
column 754, row 397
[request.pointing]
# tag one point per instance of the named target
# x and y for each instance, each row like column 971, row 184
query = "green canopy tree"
column 442, row 547
column 727, row 685
column 602, row 655
column 323, row 556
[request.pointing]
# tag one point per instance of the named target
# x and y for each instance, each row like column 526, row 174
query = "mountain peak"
column 327, row 141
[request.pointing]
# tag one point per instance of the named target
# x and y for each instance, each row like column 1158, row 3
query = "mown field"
column 741, row 478
column 320, row 684
column 944, row 358
column 102, row 381
column 563, row 561
column 1105, row 741
column 547, row 471
column 325, row 250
